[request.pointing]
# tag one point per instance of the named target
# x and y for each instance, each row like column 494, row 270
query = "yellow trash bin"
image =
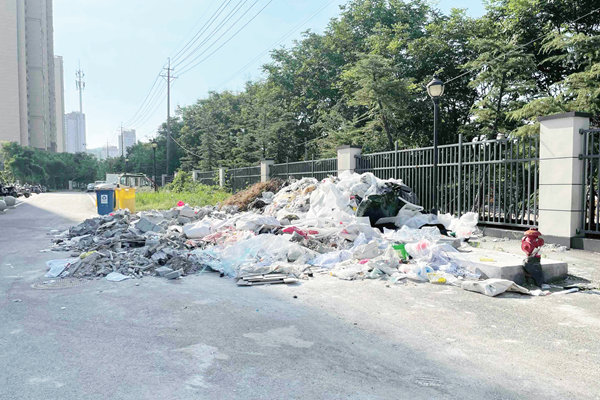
column 125, row 198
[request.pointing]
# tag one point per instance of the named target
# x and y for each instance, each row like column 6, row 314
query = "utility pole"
column 80, row 125
column 122, row 142
column 170, row 79
column 80, row 86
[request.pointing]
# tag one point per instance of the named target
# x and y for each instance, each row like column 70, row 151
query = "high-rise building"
column 126, row 141
column 27, row 103
column 75, row 132
column 59, row 95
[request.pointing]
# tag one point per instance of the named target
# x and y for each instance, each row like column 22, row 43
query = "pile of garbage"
column 352, row 227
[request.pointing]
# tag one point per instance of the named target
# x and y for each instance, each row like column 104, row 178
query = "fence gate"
column 591, row 181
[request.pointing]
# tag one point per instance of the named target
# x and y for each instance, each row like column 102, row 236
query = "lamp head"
column 435, row 88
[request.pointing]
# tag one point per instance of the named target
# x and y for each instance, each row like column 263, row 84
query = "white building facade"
column 59, row 101
column 75, row 132
column 27, row 78
column 127, row 140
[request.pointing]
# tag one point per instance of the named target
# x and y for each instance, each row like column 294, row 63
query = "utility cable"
column 277, row 43
column 150, row 105
column 143, row 101
column 201, row 31
column 188, row 68
column 218, row 28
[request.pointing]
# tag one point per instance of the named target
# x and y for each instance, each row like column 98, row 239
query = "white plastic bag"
column 197, row 230
column 466, row 226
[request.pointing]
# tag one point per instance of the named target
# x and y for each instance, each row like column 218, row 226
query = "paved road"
column 202, row 337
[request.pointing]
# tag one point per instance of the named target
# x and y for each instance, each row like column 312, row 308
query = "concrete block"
column 510, row 266
column 187, row 211
column 171, row 213
column 145, row 225
column 559, row 223
column 174, row 274
column 560, row 171
column 183, row 220
column 560, row 197
column 163, row 271
column 10, row 201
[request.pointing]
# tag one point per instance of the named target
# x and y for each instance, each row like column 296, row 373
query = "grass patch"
column 202, row 195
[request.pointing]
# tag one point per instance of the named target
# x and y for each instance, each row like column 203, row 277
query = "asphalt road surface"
column 202, row 337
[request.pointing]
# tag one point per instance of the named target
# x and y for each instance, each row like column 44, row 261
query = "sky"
column 122, row 45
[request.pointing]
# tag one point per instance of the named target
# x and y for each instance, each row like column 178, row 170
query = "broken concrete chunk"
column 162, row 271
column 187, row 211
column 183, row 220
column 174, row 274
column 116, row 277
column 170, row 214
column 145, row 225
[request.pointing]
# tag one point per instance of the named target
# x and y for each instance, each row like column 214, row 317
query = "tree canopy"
column 362, row 82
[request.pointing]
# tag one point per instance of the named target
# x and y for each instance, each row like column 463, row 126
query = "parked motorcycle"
column 8, row 190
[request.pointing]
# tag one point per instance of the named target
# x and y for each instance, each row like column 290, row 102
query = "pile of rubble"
column 352, row 227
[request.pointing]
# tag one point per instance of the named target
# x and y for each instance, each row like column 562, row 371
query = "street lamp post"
column 154, row 146
column 435, row 89
column 126, row 165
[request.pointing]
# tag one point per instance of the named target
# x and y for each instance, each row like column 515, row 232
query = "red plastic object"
column 180, row 203
column 532, row 241
column 293, row 229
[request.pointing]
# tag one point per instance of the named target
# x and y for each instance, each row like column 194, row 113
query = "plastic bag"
column 494, row 287
column 326, row 199
column 329, row 259
column 57, row 267
column 261, row 252
column 466, row 226
column 197, row 230
column 369, row 250
column 253, row 222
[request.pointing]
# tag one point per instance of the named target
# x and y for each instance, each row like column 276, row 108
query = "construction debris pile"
column 352, row 227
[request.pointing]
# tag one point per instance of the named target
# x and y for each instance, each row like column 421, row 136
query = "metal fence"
column 206, row 177
column 498, row 179
column 241, row 178
column 319, row 169
column 591, row 181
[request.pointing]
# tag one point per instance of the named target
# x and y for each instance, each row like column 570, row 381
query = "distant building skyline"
column 101, row 152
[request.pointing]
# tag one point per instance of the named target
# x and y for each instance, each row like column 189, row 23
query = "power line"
column 209, row 35
column 518, row 48
column 151, row 112
column 216, row 30
column 203, row 29
column 150, row 107
column 277, row 43
column 186, row 68
column 143, row 101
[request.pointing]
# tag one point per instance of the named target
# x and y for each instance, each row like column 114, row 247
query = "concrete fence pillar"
column 561, row 176
column 346, row 158
column 222, row 177
column 265, row 170
column 195, row 175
